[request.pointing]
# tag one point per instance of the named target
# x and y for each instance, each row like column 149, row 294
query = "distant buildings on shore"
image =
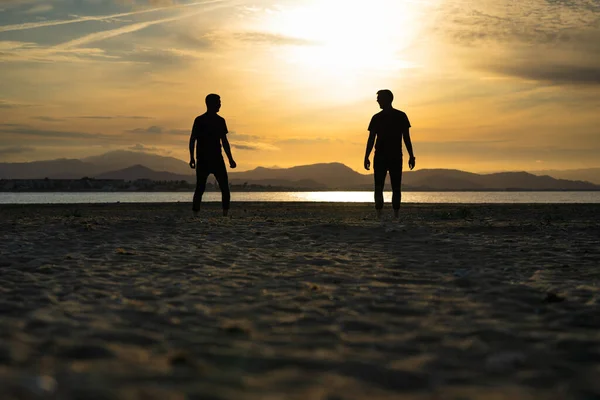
column 116, row 185
column 89, row 184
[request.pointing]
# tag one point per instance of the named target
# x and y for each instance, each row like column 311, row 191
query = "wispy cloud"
column 41, row 24
column 76, row 50
column 551, row 41
column 25, row 130
column 40, row 8
column 246, row 147
column 152, row 129
column 9, row 151
column 47, row 119
column 107, row 34
column 112, row 117
column 157, row 130
column 270, row 38
column 254, row 146
column 12, row 104
column 250, row 142
column 148, row 149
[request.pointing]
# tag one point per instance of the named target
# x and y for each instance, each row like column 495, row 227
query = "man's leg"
column 379, row 172
column 223, row 181
column 201, row 176
column 396, row 181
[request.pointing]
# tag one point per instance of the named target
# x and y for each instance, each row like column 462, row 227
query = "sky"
column 488, row 85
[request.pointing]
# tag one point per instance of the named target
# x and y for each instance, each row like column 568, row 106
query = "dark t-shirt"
column 208, row 130
column 389, row 125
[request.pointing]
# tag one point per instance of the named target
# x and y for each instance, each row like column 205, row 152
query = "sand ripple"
column 296, row 301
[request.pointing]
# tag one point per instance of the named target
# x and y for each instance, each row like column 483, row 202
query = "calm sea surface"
column 351, row 197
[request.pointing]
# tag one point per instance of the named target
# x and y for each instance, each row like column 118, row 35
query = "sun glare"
column 350, row 38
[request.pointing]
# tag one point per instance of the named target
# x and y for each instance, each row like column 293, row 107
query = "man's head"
column 385, row 98
column 213, row 102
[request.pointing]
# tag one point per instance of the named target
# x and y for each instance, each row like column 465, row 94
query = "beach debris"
column 237, row 328
column 122, row 251
column 181, row 360
column 87, row 352
column 504, row 361
column 552, row 297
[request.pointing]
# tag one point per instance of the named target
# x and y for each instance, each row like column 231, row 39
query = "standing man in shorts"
column 389, row 127
column 208, row 132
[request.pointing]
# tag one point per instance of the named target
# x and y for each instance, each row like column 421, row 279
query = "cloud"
column 152, row 129
column 41, row 24
column 550, row 41
column 27, row 51
column 157, row 130
column 24, row 130
column 77, row 50
column 250, row 142
column 9, row 151
column 161, row 57
column 145, row 149
column 552, row 73
column 246, row 147
column 47, row 119
column 112, row 117
column 237, row 136
column 40, row 8
column 12, row 104
column 271, row 38
column 309, row 141
column 110, row 33
column 254, row 146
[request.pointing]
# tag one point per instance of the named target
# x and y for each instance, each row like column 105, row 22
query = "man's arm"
column 227, row 149
column 192, row 145
column 409, row 148
column 370, row 144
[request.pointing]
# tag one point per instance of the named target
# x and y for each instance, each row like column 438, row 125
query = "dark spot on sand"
column 552, row 297
column 86, row 352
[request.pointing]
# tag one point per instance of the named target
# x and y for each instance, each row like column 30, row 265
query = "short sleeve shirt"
column 389, row 125
column 208, row 130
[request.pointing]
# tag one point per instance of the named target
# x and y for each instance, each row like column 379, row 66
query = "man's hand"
column 412, row 162
column 367, row 163
column 232, row 164
column 192, row 163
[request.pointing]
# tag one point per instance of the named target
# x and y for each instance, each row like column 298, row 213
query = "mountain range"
column 129, row 165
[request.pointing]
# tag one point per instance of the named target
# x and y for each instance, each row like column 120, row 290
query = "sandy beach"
column 299, row 301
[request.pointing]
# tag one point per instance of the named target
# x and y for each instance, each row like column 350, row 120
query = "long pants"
column 203, row 170
column 381, row 167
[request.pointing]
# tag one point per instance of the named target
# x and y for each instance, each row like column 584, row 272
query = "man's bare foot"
column 378, row 214
column 396, row 214
column 196, row 213
column 225, row 212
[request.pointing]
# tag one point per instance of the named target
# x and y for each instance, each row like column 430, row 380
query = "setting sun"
column 350, row 38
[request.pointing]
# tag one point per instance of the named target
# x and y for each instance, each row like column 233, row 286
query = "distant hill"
column 141, row 172
column 129, row 165
column 59, row 169
column 120, row 159
column 63, row 168
column 587, row 174
column 332, row 175
column 338, row 176
column 444, row 179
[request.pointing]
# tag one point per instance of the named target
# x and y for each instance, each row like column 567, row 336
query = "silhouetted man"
column 389, row 127
column 209, row 131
